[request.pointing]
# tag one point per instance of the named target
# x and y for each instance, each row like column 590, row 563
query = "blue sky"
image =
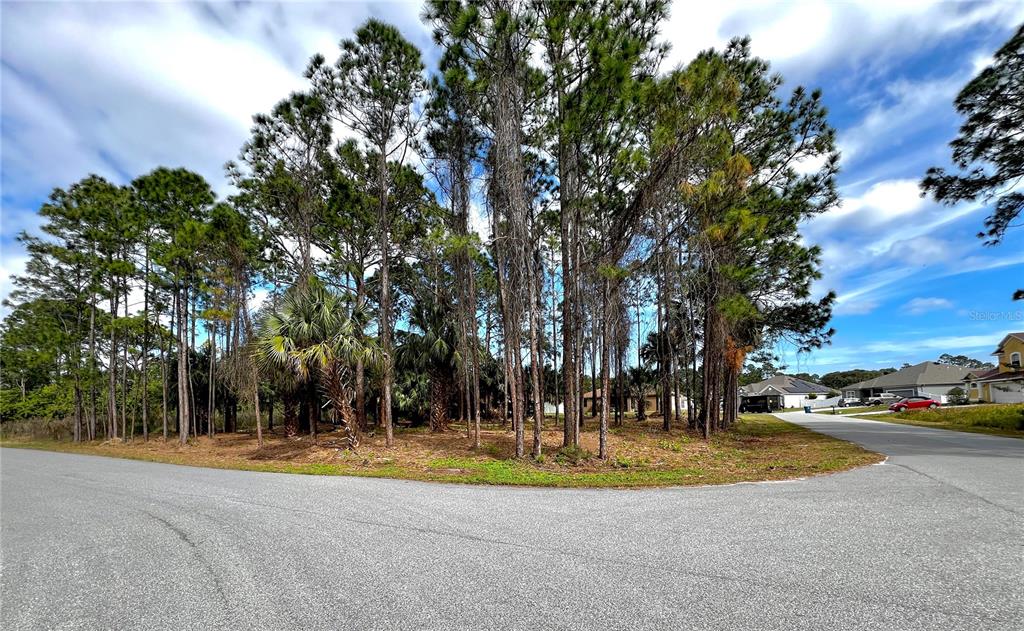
column 118, row 89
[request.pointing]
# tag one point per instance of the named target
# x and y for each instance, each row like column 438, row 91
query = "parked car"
column 885, row 397
column 849, row 402
column 914, row 403
column 754, row 405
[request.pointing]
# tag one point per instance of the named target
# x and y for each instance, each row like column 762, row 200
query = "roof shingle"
column 923, row 374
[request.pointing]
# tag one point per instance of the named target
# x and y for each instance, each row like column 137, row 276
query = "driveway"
column 929, row 540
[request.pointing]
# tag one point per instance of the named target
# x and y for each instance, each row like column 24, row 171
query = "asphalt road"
column 932, row 539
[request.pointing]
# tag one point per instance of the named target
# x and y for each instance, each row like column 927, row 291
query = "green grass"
column 759, row 447
column 997, row 419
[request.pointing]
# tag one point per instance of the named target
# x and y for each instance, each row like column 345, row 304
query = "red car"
column 914, row 403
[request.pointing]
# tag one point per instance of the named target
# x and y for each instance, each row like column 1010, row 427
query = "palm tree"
column 432, row 346
column 639, row 380
column 315, row 335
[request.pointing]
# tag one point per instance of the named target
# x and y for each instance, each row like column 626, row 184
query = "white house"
column 781, row 391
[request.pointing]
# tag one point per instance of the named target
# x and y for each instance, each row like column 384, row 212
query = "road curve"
column 930, row 540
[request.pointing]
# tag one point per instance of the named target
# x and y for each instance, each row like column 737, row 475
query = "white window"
column 1015, row 360
column 974, row 385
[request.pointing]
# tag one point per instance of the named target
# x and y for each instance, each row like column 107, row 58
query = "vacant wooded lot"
column 759, row 447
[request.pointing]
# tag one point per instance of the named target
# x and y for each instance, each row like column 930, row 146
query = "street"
column 931, row 539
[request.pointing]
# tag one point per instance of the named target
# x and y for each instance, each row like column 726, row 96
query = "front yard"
column 998, row 419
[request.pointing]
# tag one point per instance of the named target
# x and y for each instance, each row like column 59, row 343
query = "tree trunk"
column 112, row 370
column 360, row 411
column 438, row 401
column 664, row 355
column 712, row 368
column 163, row 384
column 594, row 351
column 184, row 394
column 475, row 353
column 605, row 364
column 384, row 226
column 536, row 362
column 145, row 349
column 212, row 407
column 78, row 409
column 314, row 415
column 255, row 378
column 569, row 226
column 92, row 367
column 554, row 345
column 124, row 372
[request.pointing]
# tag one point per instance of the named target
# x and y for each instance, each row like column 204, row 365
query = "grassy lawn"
column 998, row 419
column 760, row 447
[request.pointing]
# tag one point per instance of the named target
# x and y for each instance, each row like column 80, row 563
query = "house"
column 592, row 401
column 924, row 379
column 779, row 392
column 1005, row 382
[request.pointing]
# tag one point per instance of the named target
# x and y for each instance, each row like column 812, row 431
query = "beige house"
column 1005, row 382
column 592, row 401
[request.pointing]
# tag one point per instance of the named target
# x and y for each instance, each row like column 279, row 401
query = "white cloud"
column 907, row 106
column 118, row 89
column 917, row 306
column 10, row 266
column 950, row 343
column 478, row 221
column 923, row 250
column 259, row 295
column 802, row 38
column 886, row 201
column 855, row 307
column 14, row 220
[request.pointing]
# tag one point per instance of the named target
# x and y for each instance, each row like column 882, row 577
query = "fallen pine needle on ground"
column 758, row 447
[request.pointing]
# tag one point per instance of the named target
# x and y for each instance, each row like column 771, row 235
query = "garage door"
column 1007, row 392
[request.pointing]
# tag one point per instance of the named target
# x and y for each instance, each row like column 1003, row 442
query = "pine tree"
column 371, row 89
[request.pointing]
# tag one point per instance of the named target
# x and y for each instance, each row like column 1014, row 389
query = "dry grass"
column 760, row 447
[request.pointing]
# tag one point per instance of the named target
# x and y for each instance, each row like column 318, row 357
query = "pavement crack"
column 195, row 550
column 959, row 488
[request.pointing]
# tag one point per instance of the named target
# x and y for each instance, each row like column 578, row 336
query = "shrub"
column 624, row 462
column 52, row 401
column 38, row 428
column 957, row 396
column 572, row 455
